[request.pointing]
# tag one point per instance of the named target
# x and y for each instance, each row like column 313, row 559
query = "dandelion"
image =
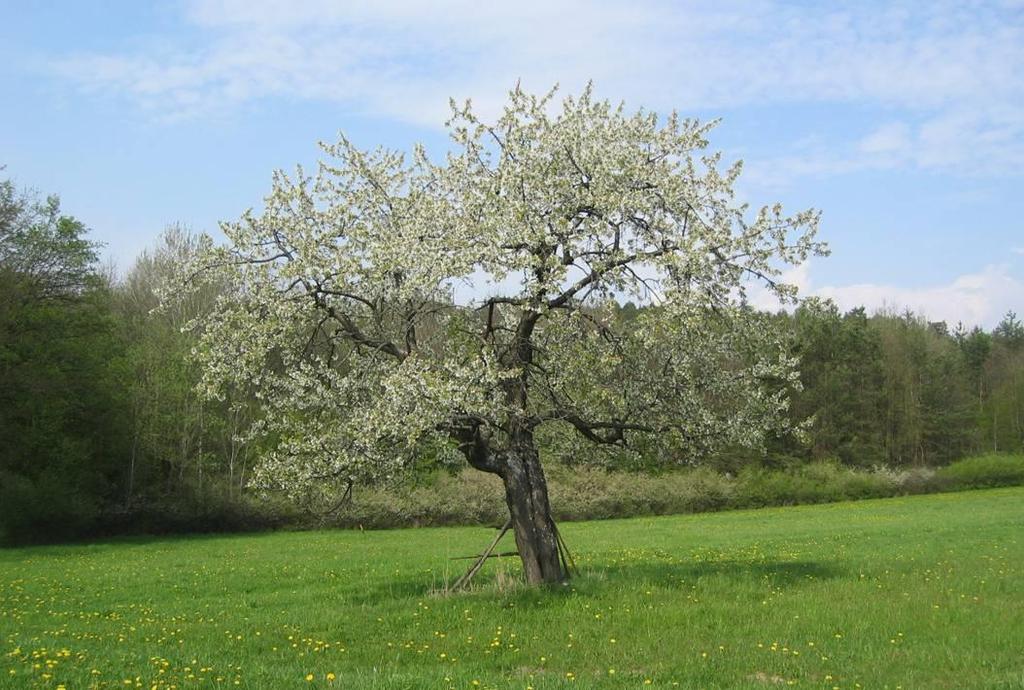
column 331, row 677
column 309, row 677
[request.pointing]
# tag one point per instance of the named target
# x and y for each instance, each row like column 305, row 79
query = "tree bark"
column 526, row 493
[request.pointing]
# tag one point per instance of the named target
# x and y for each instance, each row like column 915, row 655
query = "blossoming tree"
column 343, row 318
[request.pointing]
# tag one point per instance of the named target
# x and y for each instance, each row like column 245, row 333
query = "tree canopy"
column 60, row 402
column 340, row 310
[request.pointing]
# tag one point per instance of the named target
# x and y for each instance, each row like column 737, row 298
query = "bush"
column 474, row 498
column 983, row 471
column 582, row 493
column 466, row 498
column 49, row 507
column 916, row 480
column 596, row 494
column 818, row 482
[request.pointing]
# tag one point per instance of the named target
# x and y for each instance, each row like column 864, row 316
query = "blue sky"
column 902, row 122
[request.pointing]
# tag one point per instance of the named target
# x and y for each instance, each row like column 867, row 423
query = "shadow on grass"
column 595, row 580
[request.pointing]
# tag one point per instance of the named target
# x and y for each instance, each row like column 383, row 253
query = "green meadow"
column 917, row 592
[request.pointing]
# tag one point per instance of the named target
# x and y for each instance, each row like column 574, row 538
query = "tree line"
column 102, row 428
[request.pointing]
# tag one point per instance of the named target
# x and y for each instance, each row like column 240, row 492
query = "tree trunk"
column 526, row 493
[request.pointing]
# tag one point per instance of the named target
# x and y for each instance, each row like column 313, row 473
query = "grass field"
column 921, row 592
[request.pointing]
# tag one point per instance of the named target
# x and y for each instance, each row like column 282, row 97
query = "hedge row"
column 473, row 497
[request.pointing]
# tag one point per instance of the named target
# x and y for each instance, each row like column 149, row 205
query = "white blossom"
column 340, row 313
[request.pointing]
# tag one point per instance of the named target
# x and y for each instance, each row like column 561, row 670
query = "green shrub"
column 984, row 471
column 577, row 493
column 757, row 487
column 817, row 482
column 854, row 484
column 469, row 497
column 703, row 490
column 48, row 507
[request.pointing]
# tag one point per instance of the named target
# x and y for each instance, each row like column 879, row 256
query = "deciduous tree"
column 392, row 305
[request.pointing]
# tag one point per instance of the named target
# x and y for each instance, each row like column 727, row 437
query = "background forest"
column 102, row 430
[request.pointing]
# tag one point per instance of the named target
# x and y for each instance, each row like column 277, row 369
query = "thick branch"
column 603, row 432
column 349, row 327
column 474, row 444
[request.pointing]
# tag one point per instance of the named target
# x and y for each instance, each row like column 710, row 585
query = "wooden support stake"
column 563, row 552
column 475, row 568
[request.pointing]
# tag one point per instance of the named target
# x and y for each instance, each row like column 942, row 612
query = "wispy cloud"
column 952, row 72
column 979, row 298
column 969, row 142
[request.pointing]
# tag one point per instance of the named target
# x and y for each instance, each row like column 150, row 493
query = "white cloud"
column 891, row 138
column 968, row 142
column 959, row 67
column 761, row 297
column 980, row 298
column 976, row 298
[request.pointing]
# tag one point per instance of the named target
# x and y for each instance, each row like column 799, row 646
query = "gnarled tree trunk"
column 518, row 465
column 526, row 493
